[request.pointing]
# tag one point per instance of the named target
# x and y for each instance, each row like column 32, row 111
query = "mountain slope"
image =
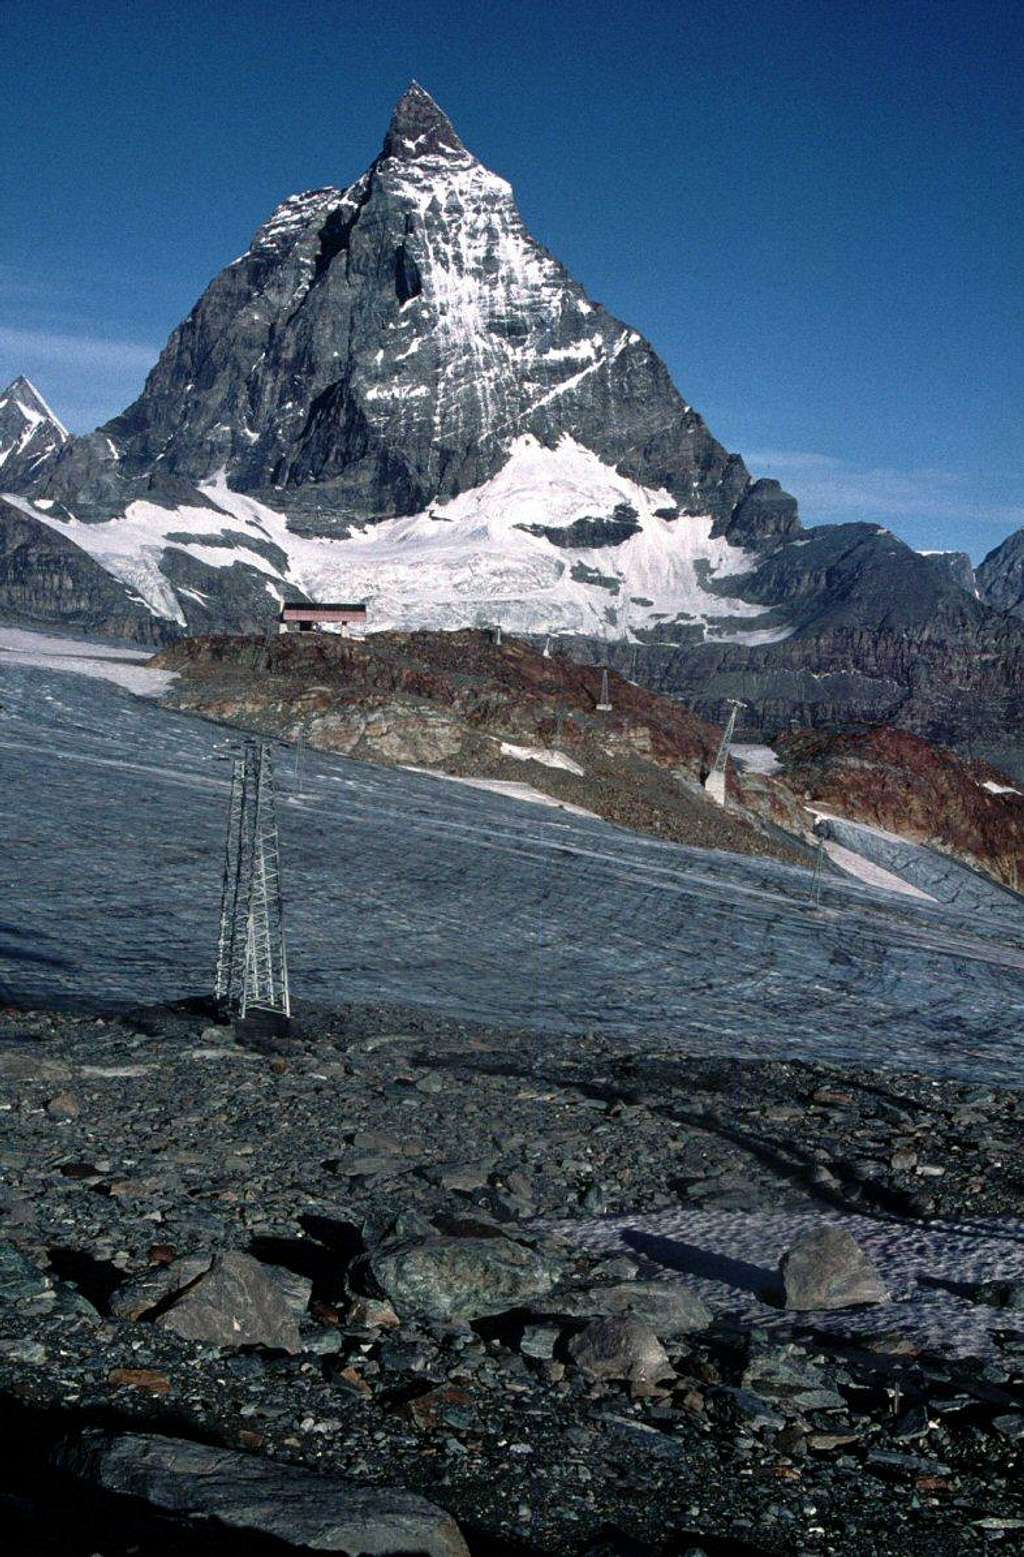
column 1001, row 575
column 461, row 705
column 389, row 343
column 46, row 580
column 402, row 355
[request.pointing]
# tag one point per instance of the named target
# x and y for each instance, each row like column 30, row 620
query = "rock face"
column 957, row 565
column 403, row 347
column 235, row 1303
column 46, row 580
column 1001, row 575
column 30, row 434
column 878, row 640
column 828, row 1269
column 374, row 340
column 460, row 1278
column 243, row 1493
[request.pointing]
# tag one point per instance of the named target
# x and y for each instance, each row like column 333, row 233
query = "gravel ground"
column 133, row 1139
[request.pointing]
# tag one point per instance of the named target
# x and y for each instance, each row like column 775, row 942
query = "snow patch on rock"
column 550, row 759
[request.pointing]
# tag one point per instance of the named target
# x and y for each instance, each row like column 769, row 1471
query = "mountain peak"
column 419, row 128
column 30, row 401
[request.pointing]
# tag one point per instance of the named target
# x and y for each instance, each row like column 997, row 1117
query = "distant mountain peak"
column 30, row 433
column 24, row 392
column 419, row 128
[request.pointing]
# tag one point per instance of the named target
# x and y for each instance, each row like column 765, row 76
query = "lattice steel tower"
column 252, row 963
column 714, row 784
column 723, row 750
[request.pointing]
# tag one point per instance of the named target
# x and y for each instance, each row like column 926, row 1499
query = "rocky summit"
column 30, row 434
column 400, row 354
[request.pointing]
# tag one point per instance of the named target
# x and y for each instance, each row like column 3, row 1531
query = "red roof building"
column 314, row 618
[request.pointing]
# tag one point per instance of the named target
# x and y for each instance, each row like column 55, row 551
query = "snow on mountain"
column 30, row 434
column 418, row 405
column 492, row 554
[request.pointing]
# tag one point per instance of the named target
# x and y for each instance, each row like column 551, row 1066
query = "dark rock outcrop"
column 243, row 1493
column 895, row 781
column 1000, row 576
column 957, row 565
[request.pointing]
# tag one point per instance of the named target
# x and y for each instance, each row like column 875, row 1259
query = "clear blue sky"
column 813, row 208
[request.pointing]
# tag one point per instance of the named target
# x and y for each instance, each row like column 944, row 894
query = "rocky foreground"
column 347, row 1292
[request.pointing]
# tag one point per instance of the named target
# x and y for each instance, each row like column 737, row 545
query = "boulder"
column 461, row 1278
column 786, row 1373
column 138, row 1298
column 237, row 1302
column 244, row 1493
column 828, row 1269
column 669, row 1307
column 132, row 1299
column 620, row 1348
column 64, row 1106
column 20, row 1280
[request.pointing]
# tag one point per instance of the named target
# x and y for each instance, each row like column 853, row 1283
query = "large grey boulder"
column 620, row 1348
column 243, row 1493
column 236, row 1302
column 135, row 1298
column 461, row 1278
column 828, row 1269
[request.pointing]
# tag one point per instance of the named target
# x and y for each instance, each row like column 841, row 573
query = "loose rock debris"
column 535, row 1286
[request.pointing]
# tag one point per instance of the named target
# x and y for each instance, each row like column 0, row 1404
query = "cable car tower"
column 252, row 962
column 714, row 784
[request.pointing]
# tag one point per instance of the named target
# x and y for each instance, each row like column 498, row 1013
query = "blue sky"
column 813, row 210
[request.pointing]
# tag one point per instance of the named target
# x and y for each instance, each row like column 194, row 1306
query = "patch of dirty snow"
column 507, row 787
column 124, row 667
column 865, row 870
column 550, row 759
column 754, row 759
column 731, row 1257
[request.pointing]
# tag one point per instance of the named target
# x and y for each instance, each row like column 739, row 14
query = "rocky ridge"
column 1000, row 576
column 891, row 779
column 463, row 704
column 466, row 705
